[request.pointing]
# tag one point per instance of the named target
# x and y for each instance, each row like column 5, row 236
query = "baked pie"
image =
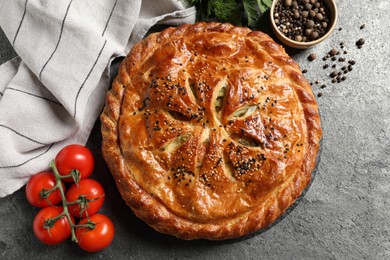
column 210, row 131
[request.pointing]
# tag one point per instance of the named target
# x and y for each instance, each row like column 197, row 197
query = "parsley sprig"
column 237, row 12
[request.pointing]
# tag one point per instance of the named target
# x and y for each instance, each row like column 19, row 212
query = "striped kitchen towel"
column 53, row 92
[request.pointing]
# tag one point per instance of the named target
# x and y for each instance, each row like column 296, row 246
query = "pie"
column 210, row 131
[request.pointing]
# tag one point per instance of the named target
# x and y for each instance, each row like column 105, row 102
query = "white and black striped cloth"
column 53, row 92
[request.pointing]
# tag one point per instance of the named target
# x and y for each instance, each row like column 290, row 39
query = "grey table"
column 344, row 215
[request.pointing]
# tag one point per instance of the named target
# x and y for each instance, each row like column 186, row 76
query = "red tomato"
column 90, row 195
column 74, row 157
column 48, row 231
column 36, row 190
column 101, row 236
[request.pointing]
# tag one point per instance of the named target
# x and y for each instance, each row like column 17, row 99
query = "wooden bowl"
column 304, row 45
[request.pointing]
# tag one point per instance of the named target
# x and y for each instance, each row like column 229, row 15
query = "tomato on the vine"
column 74, row 157
column 37, row 187
column 51, row 231
column 90, row 195
column 96, row 238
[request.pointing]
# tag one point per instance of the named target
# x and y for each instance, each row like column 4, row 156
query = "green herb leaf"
column 224, row 10
column 251, row 12
column 264, row 5
column 237, row 12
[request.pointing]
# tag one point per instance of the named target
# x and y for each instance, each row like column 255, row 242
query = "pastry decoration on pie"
column 210, row 131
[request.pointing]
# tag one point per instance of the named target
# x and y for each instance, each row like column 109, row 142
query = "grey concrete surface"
column 344, row 215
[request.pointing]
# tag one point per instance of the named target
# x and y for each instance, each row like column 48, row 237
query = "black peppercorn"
column 360, row 42
column 312, row 57
column 319, row 17
column 334, row 73
column 333, row 52
column 307, row 7
column 310, row 24
column 314, row 35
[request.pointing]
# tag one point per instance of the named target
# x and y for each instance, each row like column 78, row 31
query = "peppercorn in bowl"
column 302, row 24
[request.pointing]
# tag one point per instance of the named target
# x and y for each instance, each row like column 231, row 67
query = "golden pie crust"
column 210, row 131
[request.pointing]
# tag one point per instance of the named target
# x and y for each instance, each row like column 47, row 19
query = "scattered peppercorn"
column 362, row 26
column 312, row 57
column 360, row 42
column 333, row 52
column 334, row 73
column 337, row 55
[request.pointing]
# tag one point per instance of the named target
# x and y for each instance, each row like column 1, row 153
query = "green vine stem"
column 50, row 222
column 64, row 202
